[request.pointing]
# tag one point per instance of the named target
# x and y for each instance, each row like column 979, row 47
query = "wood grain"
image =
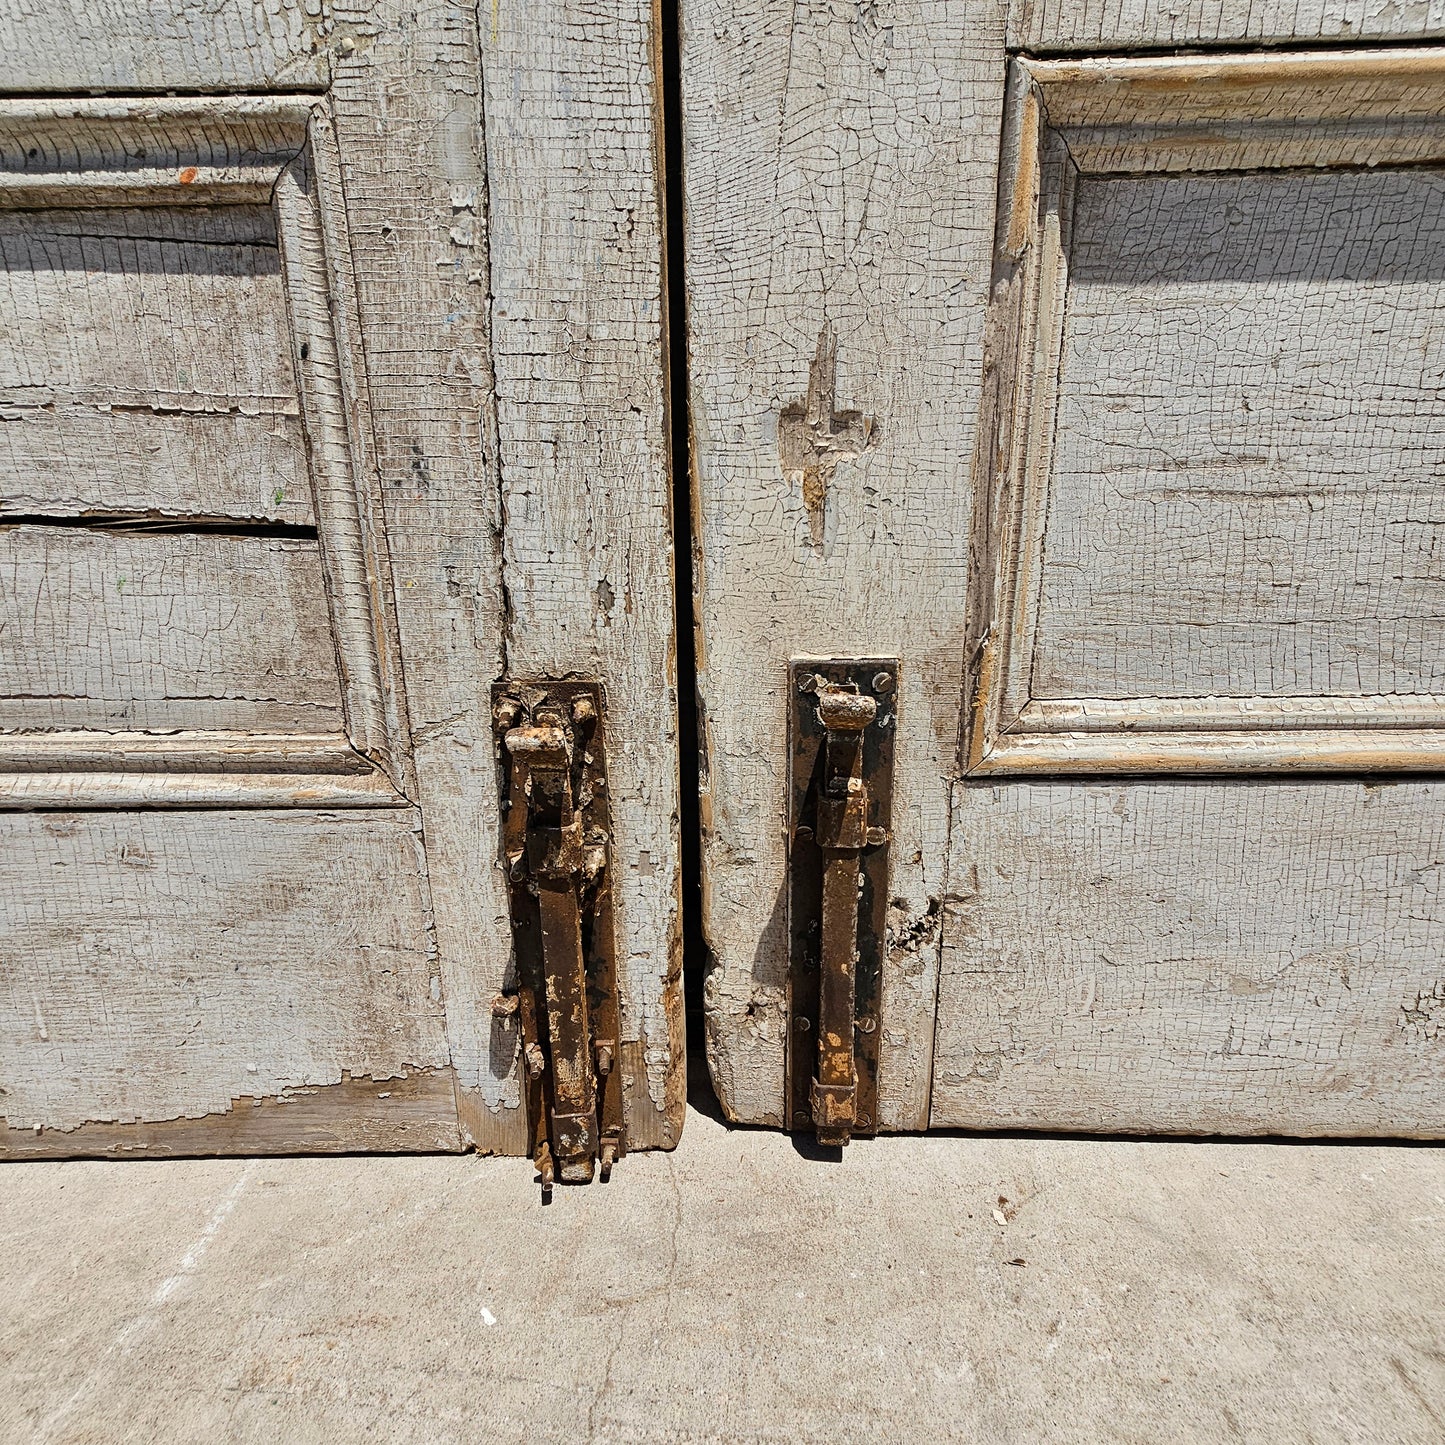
column 410, row 154
column 578, row 330
column 1250, row 431
column 840, row 173
column 145, row 365
column 143, row 630
column 182, row 45
column 1195, row 957
column 1048, row 25
column 230, row 971
column 411, row 1113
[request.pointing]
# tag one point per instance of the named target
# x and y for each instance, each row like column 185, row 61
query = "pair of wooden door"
column 1083, row 370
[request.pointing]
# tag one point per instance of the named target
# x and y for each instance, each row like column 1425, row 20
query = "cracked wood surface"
column 161, row 965
column 379, row 304
column 1250, row 430
column 1061, row 25
column 840, row 197
column 149, row 630
column 1195, row 957
column 145, row 365
column 578, row 311
column 840, row 184
column 64, row 45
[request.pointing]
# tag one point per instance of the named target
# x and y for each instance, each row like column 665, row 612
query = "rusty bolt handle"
column 842, row 710
column 842, row 833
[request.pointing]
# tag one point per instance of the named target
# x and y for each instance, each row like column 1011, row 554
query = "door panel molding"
column 64, row 157
column 1242, row 116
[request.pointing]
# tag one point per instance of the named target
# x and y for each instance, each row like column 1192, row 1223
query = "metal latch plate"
column 875, row 677
column 558, row 860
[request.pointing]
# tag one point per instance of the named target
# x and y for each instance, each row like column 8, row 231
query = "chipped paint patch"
column 415, row 1111
column 814, row 438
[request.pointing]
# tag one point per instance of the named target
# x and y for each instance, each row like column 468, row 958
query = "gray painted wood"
column 67, row 45
column 145, row 365
column 370, row 300
column 837, row 210
column 163, row 966
column 578, row 312
column 1211, row 956
column 1075, row 129
column 148, row 630
column 411, row 158
column 1056, row 25
column 1250, row 432
column 840, row 196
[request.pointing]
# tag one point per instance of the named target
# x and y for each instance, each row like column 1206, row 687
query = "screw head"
column 865, row 1121
column 883, row 683
column 801, row 1023
column 801, row 1119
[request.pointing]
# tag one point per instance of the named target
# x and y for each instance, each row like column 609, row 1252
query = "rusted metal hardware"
column 840, row 799
column 556, row 850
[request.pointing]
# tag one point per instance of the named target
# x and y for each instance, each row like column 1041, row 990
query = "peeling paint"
column 814, row 438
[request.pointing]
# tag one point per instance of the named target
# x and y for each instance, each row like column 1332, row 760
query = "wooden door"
column 323, row 407
column 1103, row 388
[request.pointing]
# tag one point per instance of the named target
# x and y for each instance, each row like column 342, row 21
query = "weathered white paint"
column 151, row 630
column 578, row 315
column 159, row 965
column 840, row 196
column 381, row 348
column 1048, row 25
column 1249, row 435
column 411, row 161
column 181, row 45
column 1210, row 468
column 1202, row 956
column 144, row 365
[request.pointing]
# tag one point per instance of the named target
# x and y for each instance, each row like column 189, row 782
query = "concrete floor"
column 734, row 1291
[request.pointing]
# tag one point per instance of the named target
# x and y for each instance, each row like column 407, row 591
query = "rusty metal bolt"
column 506, row 713
column 536, row 1061
column 505, row 1006
column 604, row 1060
column 842, row 711
column 584, row 711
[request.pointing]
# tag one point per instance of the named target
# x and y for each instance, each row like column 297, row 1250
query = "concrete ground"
column 983, row 1289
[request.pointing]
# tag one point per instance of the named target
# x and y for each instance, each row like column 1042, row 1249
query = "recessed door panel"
column 311, row 432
